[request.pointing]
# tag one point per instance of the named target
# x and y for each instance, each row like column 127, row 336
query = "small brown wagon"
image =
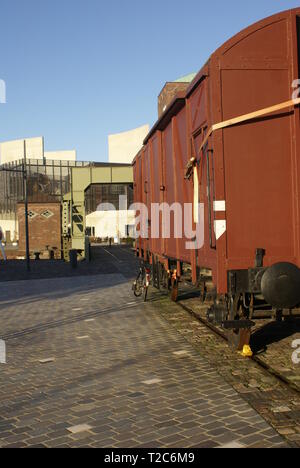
column 230, row 146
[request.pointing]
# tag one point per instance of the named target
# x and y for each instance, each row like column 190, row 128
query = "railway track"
column 217, row 331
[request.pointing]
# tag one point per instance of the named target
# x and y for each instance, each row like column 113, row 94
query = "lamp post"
column 23, row 171
column 25, row 179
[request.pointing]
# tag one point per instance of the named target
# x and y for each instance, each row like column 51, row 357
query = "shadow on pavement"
column 110, row 267
column 274, row 332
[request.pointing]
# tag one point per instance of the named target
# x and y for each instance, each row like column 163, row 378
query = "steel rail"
column 255, row 358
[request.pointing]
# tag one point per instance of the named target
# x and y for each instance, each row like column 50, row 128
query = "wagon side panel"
column 202, row 185
column 256, row 73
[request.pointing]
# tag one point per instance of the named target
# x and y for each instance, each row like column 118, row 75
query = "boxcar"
column 230, row 146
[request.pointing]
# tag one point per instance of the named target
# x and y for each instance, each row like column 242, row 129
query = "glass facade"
column 100, row 194
column 47, row 181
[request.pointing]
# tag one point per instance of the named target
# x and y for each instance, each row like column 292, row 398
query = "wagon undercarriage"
column 237, row 311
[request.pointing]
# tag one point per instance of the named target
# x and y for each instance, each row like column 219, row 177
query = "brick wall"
column 44, row 227
column 168, row 93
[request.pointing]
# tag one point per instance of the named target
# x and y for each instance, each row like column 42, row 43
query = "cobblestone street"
column 90, row 365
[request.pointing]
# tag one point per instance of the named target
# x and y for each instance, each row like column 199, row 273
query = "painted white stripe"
column 220, row 205
column 196, row 196
column 220, row 228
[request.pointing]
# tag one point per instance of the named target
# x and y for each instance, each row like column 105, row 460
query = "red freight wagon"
column 230, row 147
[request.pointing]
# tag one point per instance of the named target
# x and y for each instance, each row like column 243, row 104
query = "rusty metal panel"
column 183, row 192
column 137, row 176
column 169, row 198
column 198, row 106
column 258, row 155
column 156, row 184
column 255, row 168
column 144, row 198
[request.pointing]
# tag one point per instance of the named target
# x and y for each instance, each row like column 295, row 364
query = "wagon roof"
column 179, row 101
column 234, row 40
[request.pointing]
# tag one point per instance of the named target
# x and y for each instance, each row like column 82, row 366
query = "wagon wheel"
column 168, row 281
column 138, row 285
column 240, row 337
column 203, row 291
column 174, row 290
column 210, row 291
column 165, row 279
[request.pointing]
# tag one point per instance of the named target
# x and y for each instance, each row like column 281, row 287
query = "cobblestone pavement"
column 89, row 365
column 14, row 270
column 275, row 401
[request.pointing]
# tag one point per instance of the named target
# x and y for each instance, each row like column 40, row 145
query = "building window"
column 47, row 214
column 32, row 214
column 103, row 194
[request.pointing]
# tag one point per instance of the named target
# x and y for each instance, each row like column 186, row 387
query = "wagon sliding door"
column 259, row 154
column 199, row 106
column 206, row 189
column 157, row 192
column 176, row 188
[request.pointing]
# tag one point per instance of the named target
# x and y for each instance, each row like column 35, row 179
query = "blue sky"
column 78, row 70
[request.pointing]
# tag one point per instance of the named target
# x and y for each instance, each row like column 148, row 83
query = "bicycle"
column 141, row 285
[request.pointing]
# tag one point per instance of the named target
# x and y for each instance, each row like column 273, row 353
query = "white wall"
column 61, row 155
column 110, row 223
column 12, row 226
column 11, row 151
column 123, row 147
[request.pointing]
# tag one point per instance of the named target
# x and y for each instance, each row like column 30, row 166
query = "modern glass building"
column 47, row 181
column 108, row 194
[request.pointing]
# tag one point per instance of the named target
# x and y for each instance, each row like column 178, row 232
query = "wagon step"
column 237, row 324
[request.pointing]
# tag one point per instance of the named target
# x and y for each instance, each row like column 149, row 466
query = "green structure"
column 74, row 203
column 186, row 79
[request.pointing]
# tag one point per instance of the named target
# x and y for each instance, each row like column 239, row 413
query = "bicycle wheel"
column 138, row 285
